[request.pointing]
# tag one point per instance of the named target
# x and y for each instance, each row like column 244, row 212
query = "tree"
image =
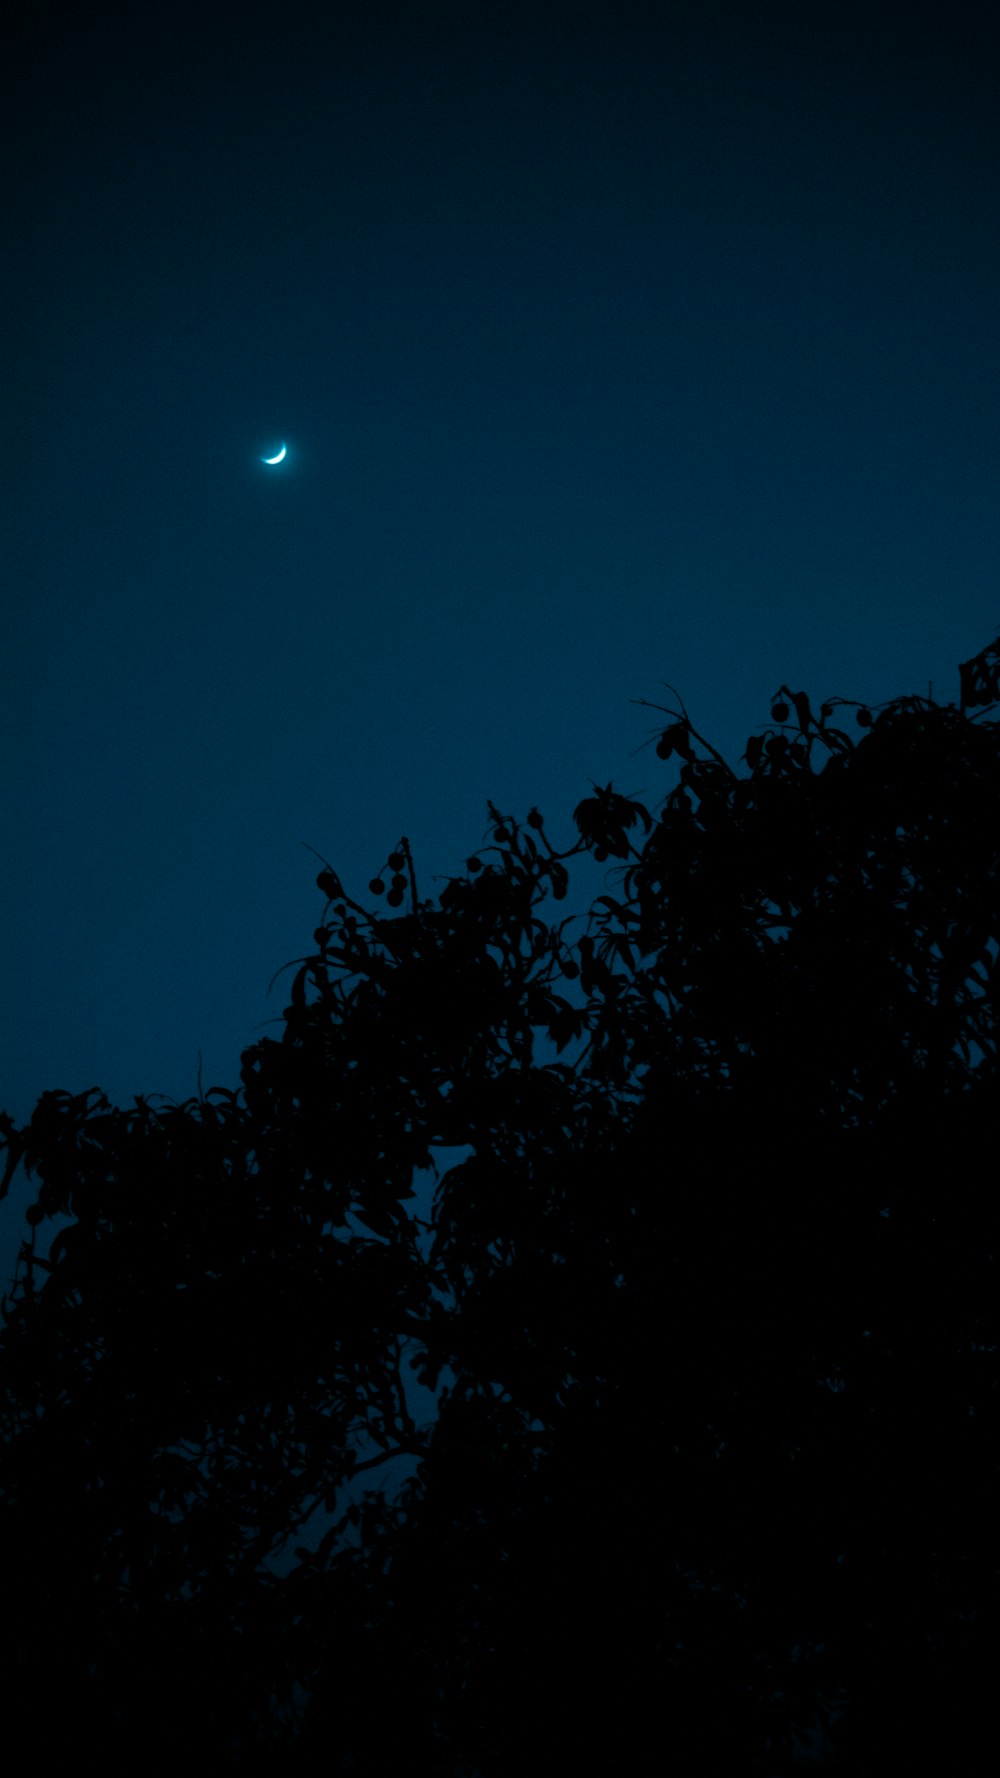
column 709, row 1310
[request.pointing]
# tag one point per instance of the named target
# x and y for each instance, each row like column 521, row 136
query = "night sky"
column 611, row 345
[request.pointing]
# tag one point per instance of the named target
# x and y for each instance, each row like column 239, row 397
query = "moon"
column 278, row 458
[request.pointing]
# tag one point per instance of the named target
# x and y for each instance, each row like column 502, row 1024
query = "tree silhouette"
column 709, row 1310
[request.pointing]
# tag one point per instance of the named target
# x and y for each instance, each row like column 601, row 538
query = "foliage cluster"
column 708, row 1304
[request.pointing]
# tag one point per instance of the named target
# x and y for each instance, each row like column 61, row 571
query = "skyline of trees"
column 707, row 1306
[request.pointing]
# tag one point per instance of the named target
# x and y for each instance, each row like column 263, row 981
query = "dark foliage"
column 709, row 1306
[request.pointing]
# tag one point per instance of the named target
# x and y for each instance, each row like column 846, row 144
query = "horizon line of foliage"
column 691, row 1308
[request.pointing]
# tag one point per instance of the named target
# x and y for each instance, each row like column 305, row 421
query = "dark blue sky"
column 611, row 344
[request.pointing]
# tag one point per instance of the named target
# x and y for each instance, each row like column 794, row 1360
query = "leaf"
column 675, row 739
column 560, row 880
column 979, row 679
column 14, row 1142
column 802, row 710
column 331, row 885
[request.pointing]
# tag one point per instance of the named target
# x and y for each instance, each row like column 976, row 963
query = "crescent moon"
column 276, row 459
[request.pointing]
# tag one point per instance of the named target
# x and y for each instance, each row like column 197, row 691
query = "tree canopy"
column 707, row 1304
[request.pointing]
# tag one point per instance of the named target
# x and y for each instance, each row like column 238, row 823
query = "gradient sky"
column 611, row 344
